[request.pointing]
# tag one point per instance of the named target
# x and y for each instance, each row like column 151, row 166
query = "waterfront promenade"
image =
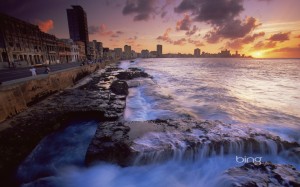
column 10, row 74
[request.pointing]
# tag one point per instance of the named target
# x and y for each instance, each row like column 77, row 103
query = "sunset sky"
column 261, row 28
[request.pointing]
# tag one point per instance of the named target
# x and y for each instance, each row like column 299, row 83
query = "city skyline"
column 260, row 28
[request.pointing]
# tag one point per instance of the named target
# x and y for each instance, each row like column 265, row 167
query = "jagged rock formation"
column 264, row 174
column 102, row 98
column 130, row 143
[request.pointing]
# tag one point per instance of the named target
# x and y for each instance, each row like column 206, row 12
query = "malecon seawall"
column 18, row 95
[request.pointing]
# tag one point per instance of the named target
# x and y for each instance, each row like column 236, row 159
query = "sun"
column 257, row 54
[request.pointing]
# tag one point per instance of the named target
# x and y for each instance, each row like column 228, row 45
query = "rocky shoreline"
column 129, row 143
column 103, row 97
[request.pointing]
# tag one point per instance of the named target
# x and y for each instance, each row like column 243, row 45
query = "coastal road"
column 12, row 74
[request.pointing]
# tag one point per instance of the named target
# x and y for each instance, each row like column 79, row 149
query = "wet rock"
column 102, row 98
column 110, row 144
column 131, row 73
column 264, row 174
column 119, row 87
column 159, row 140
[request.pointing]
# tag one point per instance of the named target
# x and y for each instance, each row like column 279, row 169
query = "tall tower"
column 127, row 51
column 77, row 22
column 159, row 50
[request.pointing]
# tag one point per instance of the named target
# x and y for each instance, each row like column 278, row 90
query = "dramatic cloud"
column 45, row 26
column 212, row 37
column 184, row 24
column 280, row 37
column 180, row 42
column 264, row 45
column 192, row 31
column 222, row 15
column 232, row 30
column 142, row 9
column 197, row 43
column 238, row 43
column 103, row 30
column 165, row 37
column 215, row 12
column 237, row 28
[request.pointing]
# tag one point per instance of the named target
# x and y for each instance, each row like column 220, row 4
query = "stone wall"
column 16, row 97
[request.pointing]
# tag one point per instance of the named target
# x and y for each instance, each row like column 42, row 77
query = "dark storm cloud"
column 222, row 15
column 280, row 37
column 142, row 9
column 232, row 30
column 184, row 24
column 237, row 28
column 215, row 12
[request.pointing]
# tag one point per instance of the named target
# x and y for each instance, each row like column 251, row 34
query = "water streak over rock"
column 160, row 140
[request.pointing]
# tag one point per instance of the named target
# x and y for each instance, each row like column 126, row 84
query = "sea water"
column 260, row 93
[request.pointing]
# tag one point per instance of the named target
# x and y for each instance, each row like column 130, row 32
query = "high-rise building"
column 127, row 51
column 159, row 50
column 197, row 52
column 118, row 52
column 77, row 21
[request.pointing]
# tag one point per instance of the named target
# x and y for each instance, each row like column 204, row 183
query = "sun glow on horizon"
column 257, row 54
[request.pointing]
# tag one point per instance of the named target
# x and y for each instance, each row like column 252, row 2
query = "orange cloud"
column 264, row 45
column 280, row 37
column 287, row 52
column 165, row 37
column 47, row 25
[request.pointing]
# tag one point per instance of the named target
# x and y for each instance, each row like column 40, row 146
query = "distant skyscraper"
column 159, row 50
column 127, row 51
column 197, row 52
column 77, row 22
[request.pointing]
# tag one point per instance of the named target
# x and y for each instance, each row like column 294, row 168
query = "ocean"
column 255, row 92
column 260, row 93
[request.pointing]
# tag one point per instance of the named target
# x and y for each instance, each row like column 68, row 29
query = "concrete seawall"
column 16, row 96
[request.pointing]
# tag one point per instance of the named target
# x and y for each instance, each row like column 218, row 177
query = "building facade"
column 51, row 45
column 145, row 53
column 77, row 22
column 64, row 52
column 81, row 51
column 21, row 43
column 118, row 53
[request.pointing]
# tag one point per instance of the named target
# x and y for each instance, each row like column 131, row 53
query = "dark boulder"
column 119, row 87
column 131, row 73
